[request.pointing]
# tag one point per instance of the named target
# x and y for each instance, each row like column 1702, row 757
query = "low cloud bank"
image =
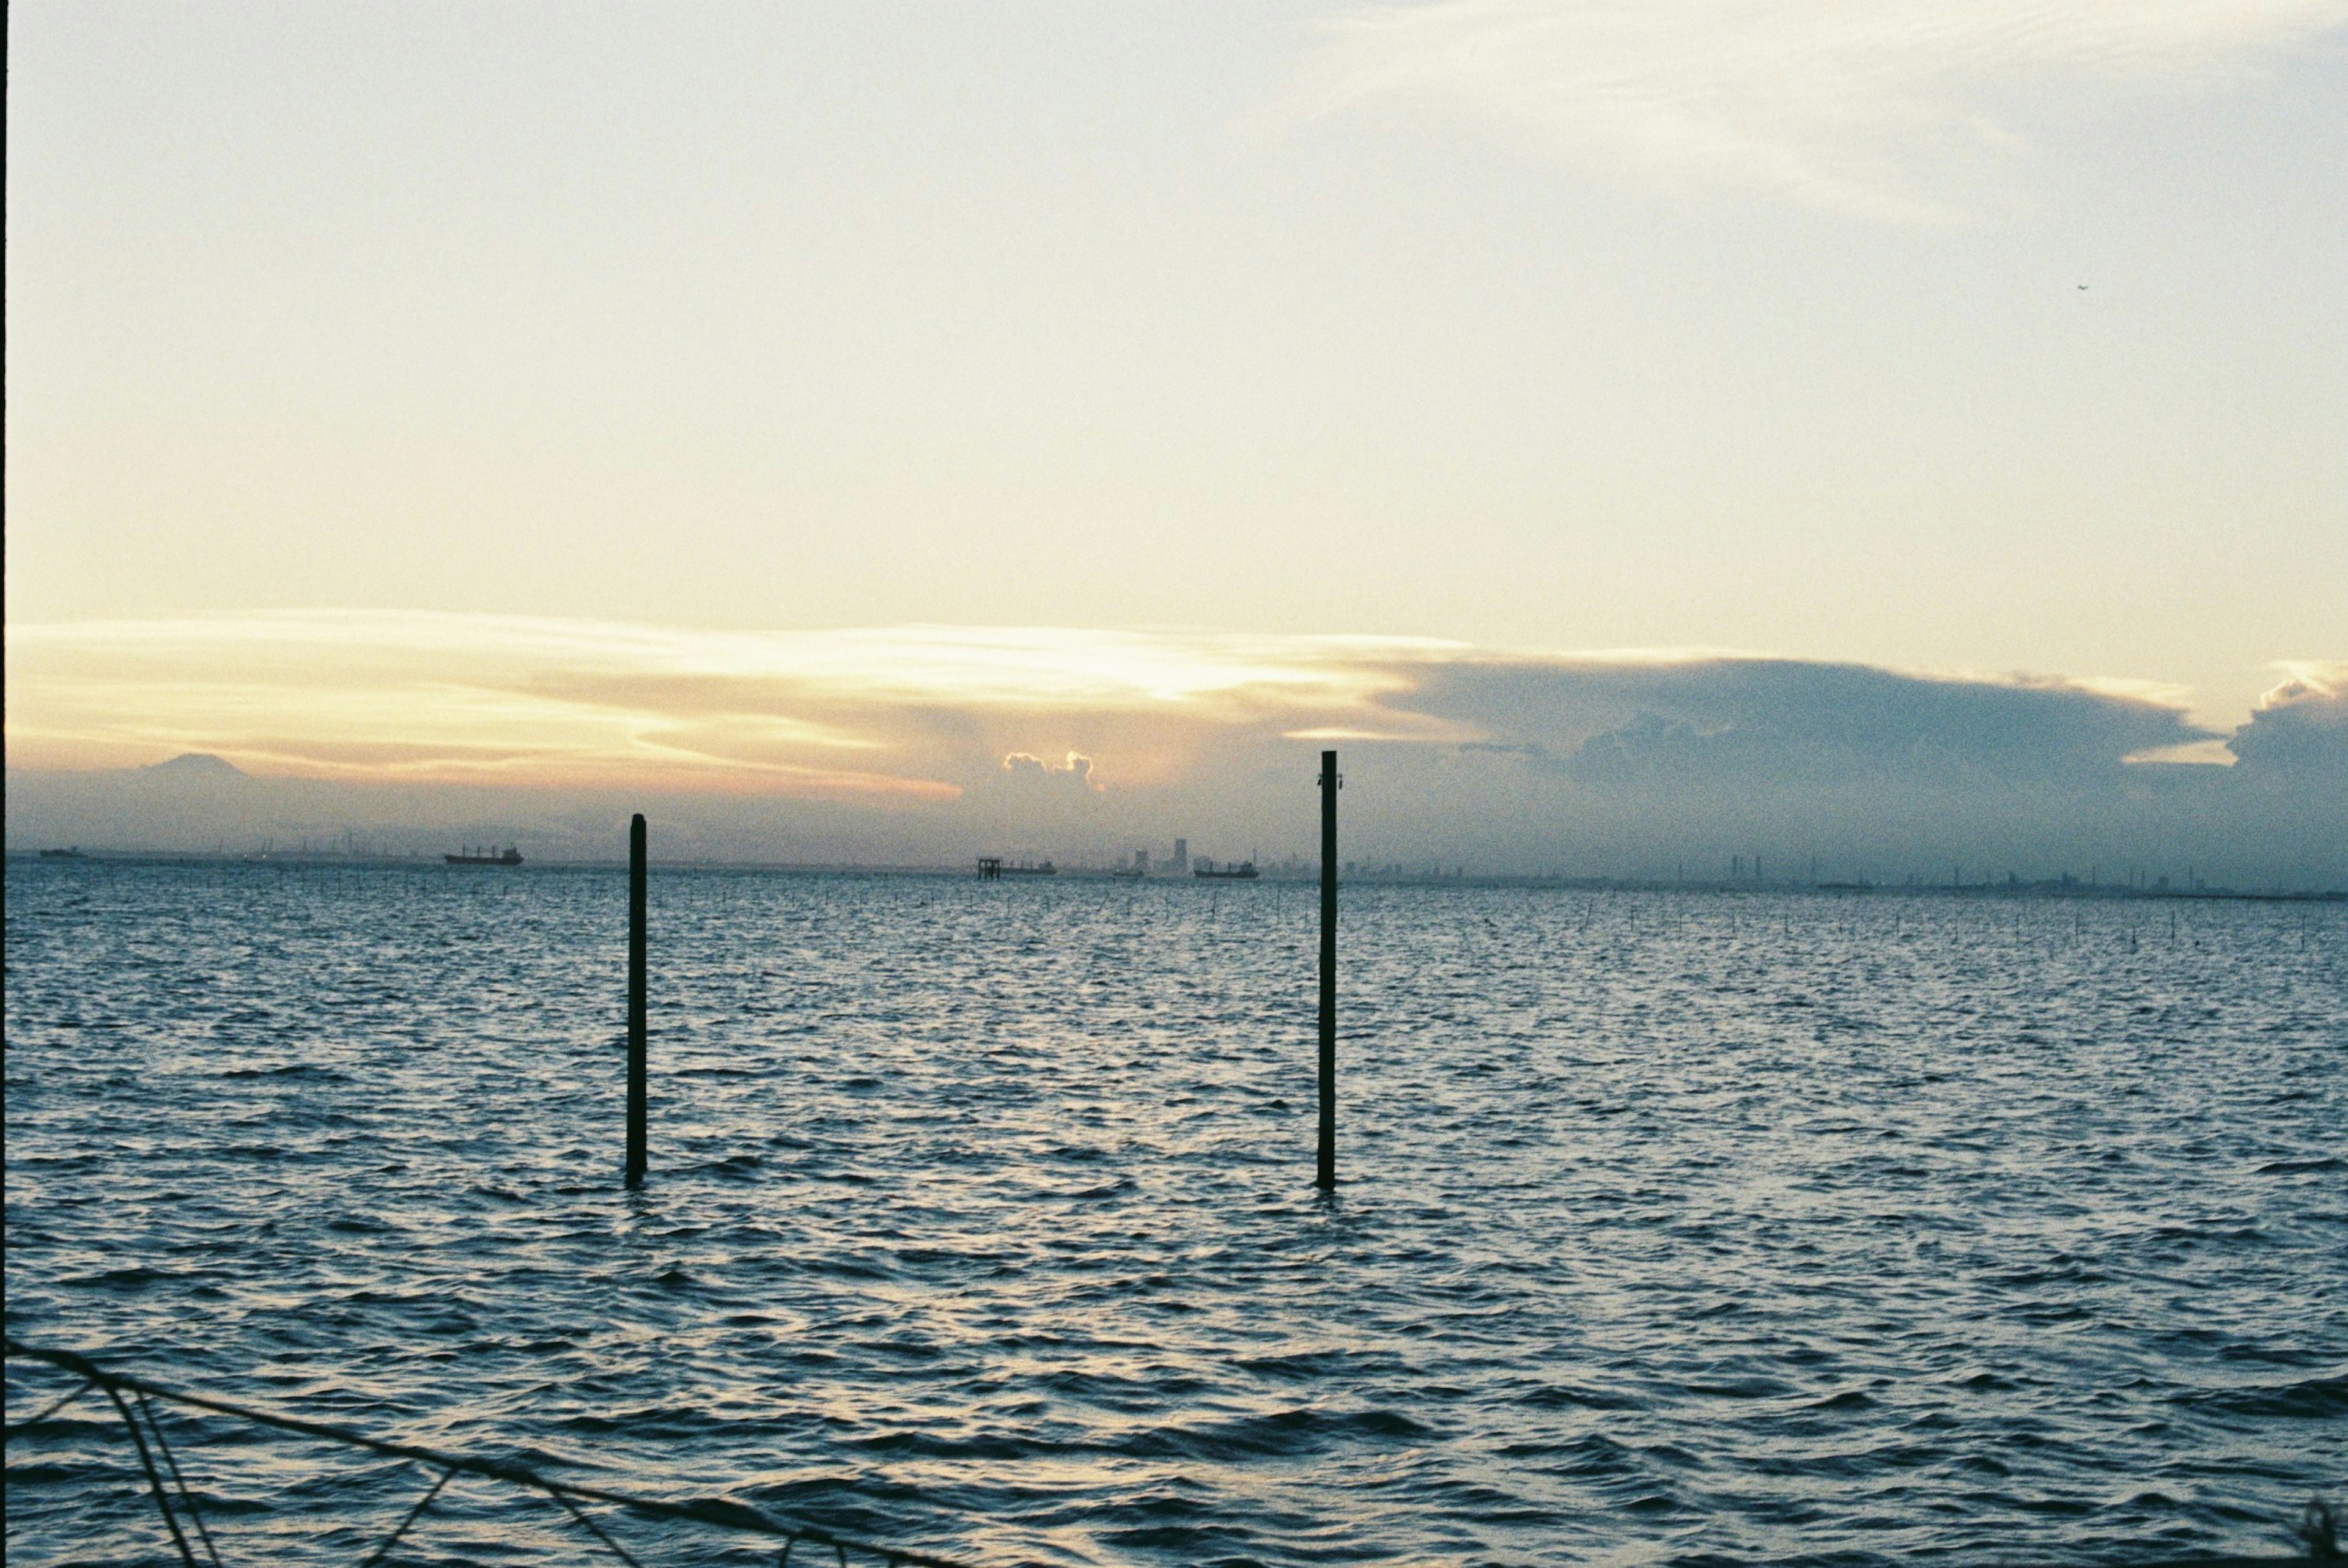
column 1701, row 723
column 931, row 744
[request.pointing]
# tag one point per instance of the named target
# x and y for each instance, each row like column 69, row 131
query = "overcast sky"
column 1557, row 326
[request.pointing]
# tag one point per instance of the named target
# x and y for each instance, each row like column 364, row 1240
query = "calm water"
column 1676, row 1227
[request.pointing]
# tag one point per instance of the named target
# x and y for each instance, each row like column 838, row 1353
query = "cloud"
column 928, row 743
column 455, row 698
column 2300, row 730
column 930, row 711
column 1699, row 722
column 1885, row 108
column 1076, row 773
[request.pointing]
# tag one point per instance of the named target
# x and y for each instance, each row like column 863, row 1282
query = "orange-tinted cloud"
column 436, row 698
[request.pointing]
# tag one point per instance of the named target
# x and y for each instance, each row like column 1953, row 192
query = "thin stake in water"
column 636, row 1001
column 1325, row 1172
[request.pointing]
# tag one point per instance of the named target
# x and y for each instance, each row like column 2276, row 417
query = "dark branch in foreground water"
column 2318, row 1529
column 722, row 1513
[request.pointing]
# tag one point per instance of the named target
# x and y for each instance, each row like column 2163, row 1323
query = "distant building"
column 1181, row 855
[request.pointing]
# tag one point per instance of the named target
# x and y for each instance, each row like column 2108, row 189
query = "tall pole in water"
column 1326, row 1174
column 636, row 1001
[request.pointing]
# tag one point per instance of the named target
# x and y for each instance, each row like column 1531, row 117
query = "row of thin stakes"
column 1324, row 1173
column 135, row 1401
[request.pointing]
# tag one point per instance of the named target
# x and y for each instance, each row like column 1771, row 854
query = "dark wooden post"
column 636, row 1001
column 1326, row 1174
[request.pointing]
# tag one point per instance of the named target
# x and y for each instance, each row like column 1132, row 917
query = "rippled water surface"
column 1674, row 1227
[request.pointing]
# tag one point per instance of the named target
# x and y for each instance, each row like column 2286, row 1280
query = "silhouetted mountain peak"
column 193, row 766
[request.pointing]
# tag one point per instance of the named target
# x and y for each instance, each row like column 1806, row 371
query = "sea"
column 1692, row 1227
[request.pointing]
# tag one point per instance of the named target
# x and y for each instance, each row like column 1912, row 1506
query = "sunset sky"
column 451, row 392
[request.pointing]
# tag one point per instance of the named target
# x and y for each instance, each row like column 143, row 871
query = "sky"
column 470, row 349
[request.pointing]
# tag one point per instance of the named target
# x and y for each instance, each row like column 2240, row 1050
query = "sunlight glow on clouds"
column 1077, row 772
column 429, row 697
column 928, row 743
column 1884, row 108
column 2305, row 680
column 928, row 712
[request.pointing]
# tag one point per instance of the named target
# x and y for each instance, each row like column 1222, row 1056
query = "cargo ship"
column 1244, row 871
column 489, row 854
column 991, row 868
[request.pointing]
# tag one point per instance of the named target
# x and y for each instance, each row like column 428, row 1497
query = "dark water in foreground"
column 1676, row 1227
